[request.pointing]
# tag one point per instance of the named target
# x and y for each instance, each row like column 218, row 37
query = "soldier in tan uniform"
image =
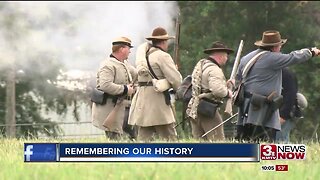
column 151, row 110
column 114, row 77
column 209, row 84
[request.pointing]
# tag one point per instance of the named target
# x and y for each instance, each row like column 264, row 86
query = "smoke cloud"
column 78, row 34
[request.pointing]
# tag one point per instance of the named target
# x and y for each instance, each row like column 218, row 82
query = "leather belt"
column 145, row 83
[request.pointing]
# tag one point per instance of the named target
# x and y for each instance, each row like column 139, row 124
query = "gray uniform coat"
column 265, row 77
column 111, row 78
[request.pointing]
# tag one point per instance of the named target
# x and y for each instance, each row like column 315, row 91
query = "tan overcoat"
column 111, row 78
column 148, row 106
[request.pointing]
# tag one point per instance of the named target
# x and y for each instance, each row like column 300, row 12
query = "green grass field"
column 12, row 166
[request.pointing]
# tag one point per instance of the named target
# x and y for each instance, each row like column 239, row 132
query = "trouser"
column 203, row 124
column 112, row 135
column 129, row 129
column 166, row 131
column 283, row 136
column 253, row 133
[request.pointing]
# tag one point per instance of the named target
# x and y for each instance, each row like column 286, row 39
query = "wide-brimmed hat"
column 270, row 38
column 122, row 41
column 218, row 46
column 159, row 33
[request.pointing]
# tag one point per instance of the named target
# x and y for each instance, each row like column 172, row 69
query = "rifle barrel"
column 219, row 125
column 177, row 42
column 236, row 61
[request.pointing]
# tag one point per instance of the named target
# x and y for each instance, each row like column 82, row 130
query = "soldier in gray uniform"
column 151, row 110
column 258, row 118
column 114, row 78
column 209, row 88
column 289, row 109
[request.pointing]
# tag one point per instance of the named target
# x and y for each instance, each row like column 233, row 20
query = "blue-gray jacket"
column 265, row 77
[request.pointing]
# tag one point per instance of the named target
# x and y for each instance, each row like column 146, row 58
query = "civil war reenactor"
column 260, row 74
column 291, row 109
column 151, row 108
column 114, row 87
column 209, row 88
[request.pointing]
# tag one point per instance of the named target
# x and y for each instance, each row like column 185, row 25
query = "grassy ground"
column 13, row 167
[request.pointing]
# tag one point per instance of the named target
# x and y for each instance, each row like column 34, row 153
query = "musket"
column 236, row 61
column 113, row 114
column 219, row 125
column 176, row 56
column 111, row 118
column 228, row 108
column 176, row 59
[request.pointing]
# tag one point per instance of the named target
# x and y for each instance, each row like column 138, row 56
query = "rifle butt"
column 111, row 118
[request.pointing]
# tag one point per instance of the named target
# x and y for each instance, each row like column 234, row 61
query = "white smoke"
column 79, row 34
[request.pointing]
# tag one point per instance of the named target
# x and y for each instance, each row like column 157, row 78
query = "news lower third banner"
column 140, row 152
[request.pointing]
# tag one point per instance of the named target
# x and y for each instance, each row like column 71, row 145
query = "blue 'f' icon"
column 28, row 152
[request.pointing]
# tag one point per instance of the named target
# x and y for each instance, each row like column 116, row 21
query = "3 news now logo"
column 40, row 152
column 283, row 152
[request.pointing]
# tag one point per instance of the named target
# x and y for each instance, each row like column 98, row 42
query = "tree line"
column 202, row 22
column 298, row 21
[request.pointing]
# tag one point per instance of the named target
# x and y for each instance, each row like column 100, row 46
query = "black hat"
column 218, row 46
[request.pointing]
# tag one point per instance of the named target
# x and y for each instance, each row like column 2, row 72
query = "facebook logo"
column 40, row 152
column 28, row 152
